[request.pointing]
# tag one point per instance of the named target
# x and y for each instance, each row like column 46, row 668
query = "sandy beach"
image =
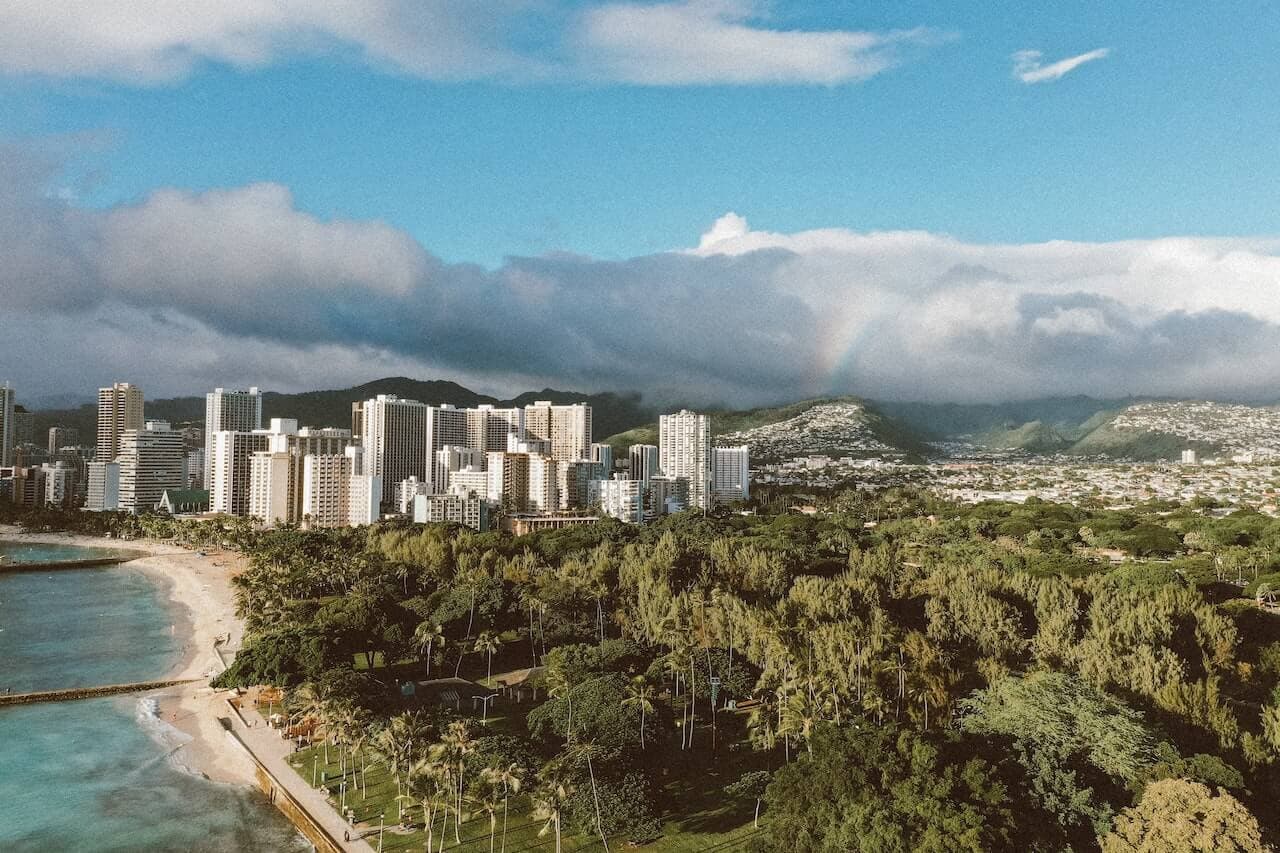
column 201, row 589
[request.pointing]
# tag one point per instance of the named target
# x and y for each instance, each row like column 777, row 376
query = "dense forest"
column 893, row 673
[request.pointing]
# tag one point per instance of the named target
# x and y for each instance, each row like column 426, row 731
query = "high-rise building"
column 490, row 428
column 449, row 459
column 684, row 452
column 7, row 438
column 619, row 498
column 103, row 492
column 332, row 496
column 325, row 490
column 119, row 409
column 508, row 480
column 731, row 474
column 446, row 427
column 24, row 485
column 394, row 438
column 24, row 426
column 151, row 460
column 60, row 484
column 271, row 487
column 573, row 483
column 643, row 462
column 544, row 491
column 602, row 455
column 225, row 410
column 567, row 428
column 230, row 470
column 60, row 437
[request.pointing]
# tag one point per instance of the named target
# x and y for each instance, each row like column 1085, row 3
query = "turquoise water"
column 95, row 774
column 25, row 552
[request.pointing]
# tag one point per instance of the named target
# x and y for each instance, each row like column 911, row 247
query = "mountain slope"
column 610, row 412
column 838, row 426
column 1161, row 430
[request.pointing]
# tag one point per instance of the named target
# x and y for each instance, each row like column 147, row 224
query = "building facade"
column 229, row 411
column 151, row 460
column 393, row 435
column 731, row 474
column 684, row 452
column 119, row 409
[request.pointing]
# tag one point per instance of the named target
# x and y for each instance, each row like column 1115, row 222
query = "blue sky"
column 402, row 142
column 1176, row 131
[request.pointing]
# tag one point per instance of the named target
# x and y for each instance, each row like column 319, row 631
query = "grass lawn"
column 707, row 825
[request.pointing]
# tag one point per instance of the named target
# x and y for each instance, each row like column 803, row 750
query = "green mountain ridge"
column 611, row 412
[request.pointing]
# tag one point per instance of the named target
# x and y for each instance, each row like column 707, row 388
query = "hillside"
column 1033, row 437
column 840, row 426
column 1162, row 430
column 610, row 412
column 941, row 421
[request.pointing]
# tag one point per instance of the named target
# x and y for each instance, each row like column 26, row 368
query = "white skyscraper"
column 684, row 452
column 567, row 428
column 6, row 425
column 488, row 428
column 151, row 460
column 235, row 411
column 119, row 409
column 230, row 471
column 393, row 435
column 271, row 487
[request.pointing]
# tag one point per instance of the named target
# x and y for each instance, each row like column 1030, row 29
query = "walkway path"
column 274, row 751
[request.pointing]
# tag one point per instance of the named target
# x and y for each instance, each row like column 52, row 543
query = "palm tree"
column 489, row 643
column 641, row 694
column 489, row 803
column 454, row 746
column 550, row 798
column 398, row 742
column 509, row 781
column 426, row 637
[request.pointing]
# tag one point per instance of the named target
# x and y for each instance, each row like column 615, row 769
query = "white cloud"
column 1028, row 67
column 153, row 41
column 239, row 285
column 689, row 42
column 718, row 42
column 731, row 226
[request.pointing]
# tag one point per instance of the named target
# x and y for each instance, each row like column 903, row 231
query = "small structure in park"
column 455, row 693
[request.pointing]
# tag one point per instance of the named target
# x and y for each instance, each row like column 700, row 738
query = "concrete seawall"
column 279, row 795
column 74, row 693
column 55, row 565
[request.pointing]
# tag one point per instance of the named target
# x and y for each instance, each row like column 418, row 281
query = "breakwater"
column 74, row 693
column 54, row 565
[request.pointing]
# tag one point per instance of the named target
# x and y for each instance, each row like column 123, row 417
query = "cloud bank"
column 681, row 43
column 1028, row 67
column 182, row 291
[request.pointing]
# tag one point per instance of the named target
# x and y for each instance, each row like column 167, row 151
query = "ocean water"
column 98, row 774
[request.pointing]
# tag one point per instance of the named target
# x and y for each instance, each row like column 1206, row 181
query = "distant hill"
column 1163, row 429
column 610, row 412
column 1033, row 437
column 840, row 426
column 942, row 421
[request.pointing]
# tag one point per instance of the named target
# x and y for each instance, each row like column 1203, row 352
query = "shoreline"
column 202, row 604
